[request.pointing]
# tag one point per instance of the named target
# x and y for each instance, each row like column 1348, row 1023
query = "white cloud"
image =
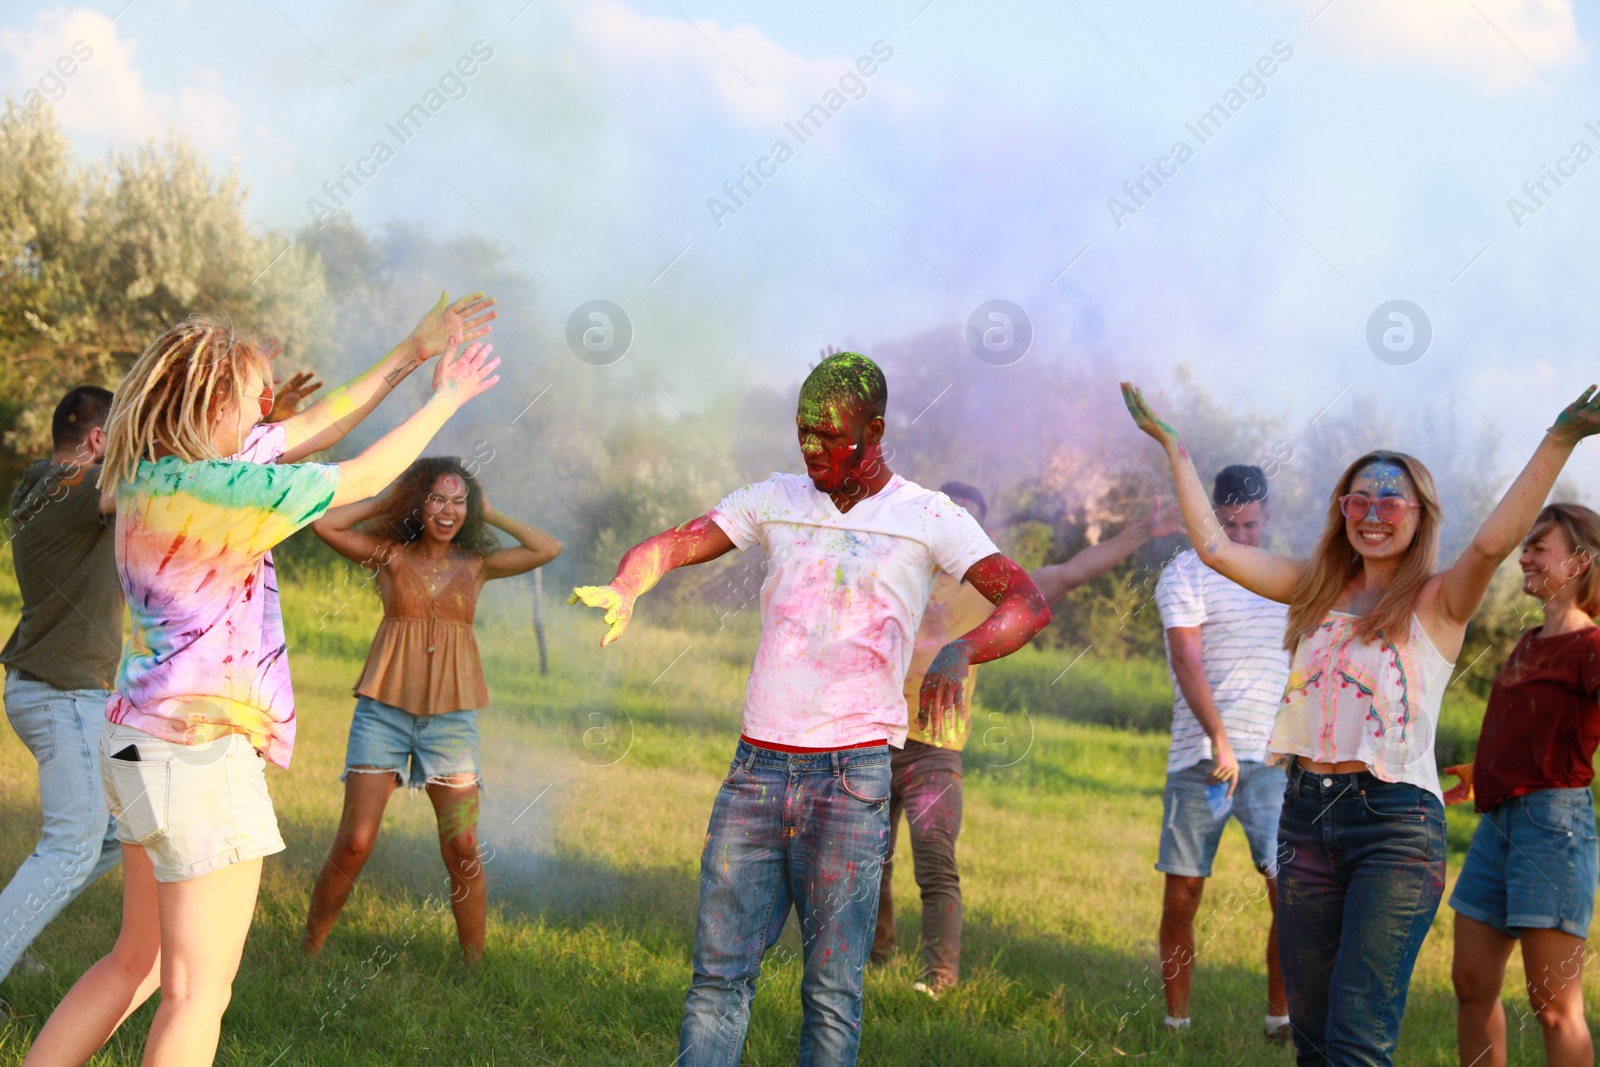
column 757, row 80
column 1496, row 43
column 106, row 95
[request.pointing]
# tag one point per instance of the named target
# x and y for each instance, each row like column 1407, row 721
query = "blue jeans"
column 1360, row 874
column 78, row 843
column 808, row 830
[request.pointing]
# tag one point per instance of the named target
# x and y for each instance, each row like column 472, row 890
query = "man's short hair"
column 847, row 376
column 80, row 411
column 1238, row 485
column 969, row 493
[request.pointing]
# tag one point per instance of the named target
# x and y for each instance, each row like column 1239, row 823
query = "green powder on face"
column 845, row 376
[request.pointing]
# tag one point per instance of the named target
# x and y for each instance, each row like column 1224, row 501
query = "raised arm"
column 1461, row 588
column 643, row 565
column 1263, row 573
column 324, row 423
column 534, row 547
column 1020, row 612
column 1059, row 579
column 337, row 530
column 460, row 379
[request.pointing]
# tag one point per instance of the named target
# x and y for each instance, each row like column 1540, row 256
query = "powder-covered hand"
column 466, row 319
column 618, row 607
column 1145, row 418
column 1461, row 792
column 942, row 703
column 1579, row 419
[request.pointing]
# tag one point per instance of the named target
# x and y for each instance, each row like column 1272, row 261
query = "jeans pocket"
column 1554, row 816
column 1402, row 804
column 139, row 795
column 868, row 782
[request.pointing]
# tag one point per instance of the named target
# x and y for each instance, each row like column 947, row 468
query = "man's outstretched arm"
column 643, row 565
column 1059, row 579
column 1020, row 612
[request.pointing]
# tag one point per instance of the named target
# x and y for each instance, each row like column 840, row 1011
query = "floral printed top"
column 1377, row 702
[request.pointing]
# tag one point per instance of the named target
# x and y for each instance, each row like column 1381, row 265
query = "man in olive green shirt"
column 61, row 662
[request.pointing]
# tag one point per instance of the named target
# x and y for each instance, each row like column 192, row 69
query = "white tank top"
column 1373, row 702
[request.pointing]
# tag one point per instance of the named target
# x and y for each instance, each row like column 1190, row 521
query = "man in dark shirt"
column 60, row 664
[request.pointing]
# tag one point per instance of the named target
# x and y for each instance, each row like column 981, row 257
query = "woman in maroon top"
column 1532, row 870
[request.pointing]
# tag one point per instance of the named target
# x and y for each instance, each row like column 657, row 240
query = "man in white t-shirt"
column 802, row 818
column 1229, row 669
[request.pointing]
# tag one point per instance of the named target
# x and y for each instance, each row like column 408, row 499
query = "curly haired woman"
column 428, row 542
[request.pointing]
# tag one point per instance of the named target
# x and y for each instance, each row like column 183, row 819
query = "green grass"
column 593, row 886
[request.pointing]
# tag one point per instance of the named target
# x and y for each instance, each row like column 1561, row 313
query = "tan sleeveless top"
column 424, row 657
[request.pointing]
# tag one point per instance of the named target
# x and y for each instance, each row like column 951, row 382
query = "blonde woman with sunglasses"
column 1374, row 629
column 203, row 698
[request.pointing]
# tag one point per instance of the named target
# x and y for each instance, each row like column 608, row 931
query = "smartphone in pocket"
column 129, row 754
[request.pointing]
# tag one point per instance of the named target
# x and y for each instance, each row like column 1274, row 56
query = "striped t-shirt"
column 1241, row 648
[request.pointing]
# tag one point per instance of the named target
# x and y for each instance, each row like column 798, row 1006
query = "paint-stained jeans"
column 1361, row 871
column 927, row 788
column 807, row 830
column 78, row 841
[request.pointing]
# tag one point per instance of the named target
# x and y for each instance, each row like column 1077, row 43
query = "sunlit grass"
column 593, row 827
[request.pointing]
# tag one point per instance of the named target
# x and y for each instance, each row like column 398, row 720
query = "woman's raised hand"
column 467, row 319
column 1579, row 419
column 1147, row 420
column 459, row 378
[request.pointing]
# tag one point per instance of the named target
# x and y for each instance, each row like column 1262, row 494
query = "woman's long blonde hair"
column 172, row 395
column 1335, row 562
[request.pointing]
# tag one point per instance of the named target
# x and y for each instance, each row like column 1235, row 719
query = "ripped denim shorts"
column 418, row 749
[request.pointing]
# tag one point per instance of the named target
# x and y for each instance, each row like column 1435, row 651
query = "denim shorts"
column 1190, row 833
column 1534, row 864
column 195, row 808
column 418, row 749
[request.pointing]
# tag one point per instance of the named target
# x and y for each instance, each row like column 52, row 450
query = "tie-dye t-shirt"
column 206, row 655
column 840, row 606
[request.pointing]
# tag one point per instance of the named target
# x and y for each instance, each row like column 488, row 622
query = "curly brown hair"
column 401, row 518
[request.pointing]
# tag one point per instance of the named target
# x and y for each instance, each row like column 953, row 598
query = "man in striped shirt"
column 1229, row 668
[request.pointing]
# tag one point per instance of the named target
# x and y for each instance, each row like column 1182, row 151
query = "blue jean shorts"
column 418, row 749
column 1190, row 833
column 1534, row 864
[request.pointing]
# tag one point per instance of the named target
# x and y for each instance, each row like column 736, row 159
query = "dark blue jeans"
column 1361, row 871
column 802, row 830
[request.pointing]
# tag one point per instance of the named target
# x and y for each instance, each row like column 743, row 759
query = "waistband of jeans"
column 1575, row 796
column 1299, row 775
column 833, row 759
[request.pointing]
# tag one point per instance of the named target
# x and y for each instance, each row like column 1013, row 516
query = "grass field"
column 600, row 780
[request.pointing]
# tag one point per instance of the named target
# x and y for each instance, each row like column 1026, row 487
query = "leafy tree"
column 96, row 261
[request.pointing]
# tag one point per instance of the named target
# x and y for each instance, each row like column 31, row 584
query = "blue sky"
column 1374, row 163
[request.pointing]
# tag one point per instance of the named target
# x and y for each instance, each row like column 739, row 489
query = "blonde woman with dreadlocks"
column 1374, row 629
column 203, row 699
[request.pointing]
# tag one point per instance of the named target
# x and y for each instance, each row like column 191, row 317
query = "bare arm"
column 462, row 378
column 337, row 530
column 643, row 565
column 1264, row 573
column 1461, row 588
column 1020, row 612
column 534, row 547
column 1183, row 644
column 1059, row 579
column 324, row 423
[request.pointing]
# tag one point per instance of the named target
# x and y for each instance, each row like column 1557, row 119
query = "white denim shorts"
column 193, row 808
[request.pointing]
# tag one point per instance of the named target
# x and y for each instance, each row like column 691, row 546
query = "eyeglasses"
column 1389, row 509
